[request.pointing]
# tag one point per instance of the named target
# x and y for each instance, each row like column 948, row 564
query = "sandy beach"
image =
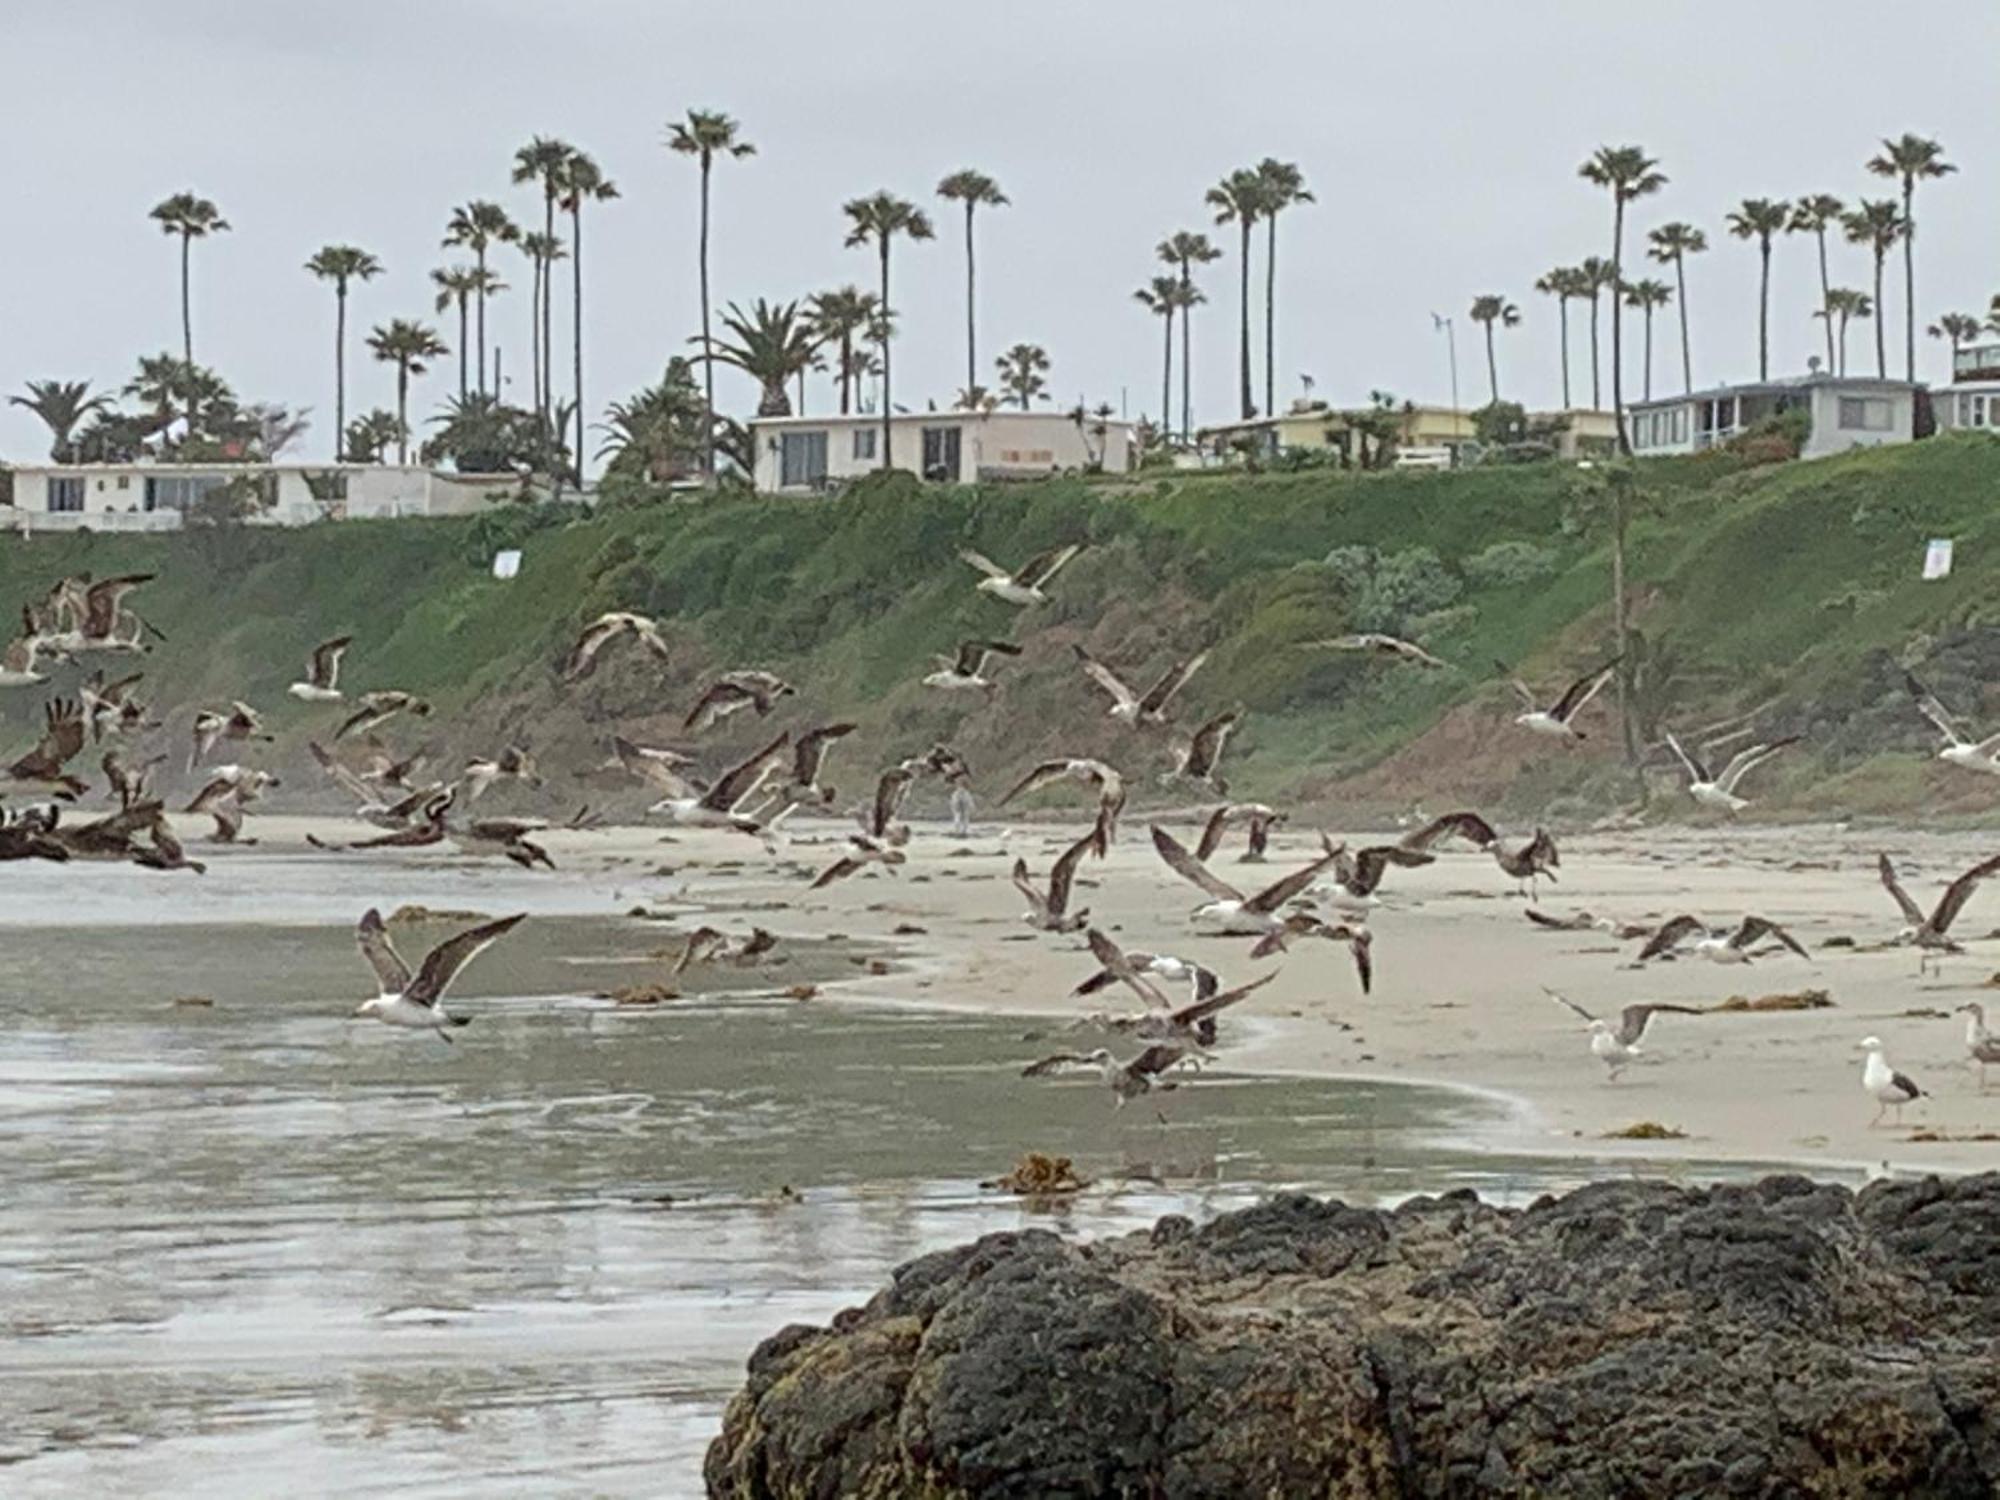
column 1458, row 996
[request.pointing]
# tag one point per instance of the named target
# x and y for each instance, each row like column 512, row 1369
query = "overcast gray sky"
column 1442, row 141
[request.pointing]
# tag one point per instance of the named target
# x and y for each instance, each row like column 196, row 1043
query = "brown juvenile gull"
column 808, row 761
column 1261, row 819
column 1888, row 1088
column 1616, row 1046
column 211, row 726
column 1527, row 864
column 1297, row 924
column 375, row 709
column 601, row 632
column 229, row 791
column 1971, row 755
column 128, row 781
column 1197, row 761
column 26, row 836
column 1717, row 947
column 662, row 769
column 1050, row 912
column 1981, row 1045
column 416, row 1001
column 111, row 707
column 1109, row 783
column 1131, row 707
column 1024, row 585
column 41, row 769
column 1554, row 721
column 427, row 826
column 102, row 623
column 862, row 851
column 1229, row 912
column 1358, row 876
column 1377, row 644
column 321, row 684
column 1928, row 932
column 731, row 693
column 966, row 672
column 1144, row 1074
column 510, row 836
column 711, row 945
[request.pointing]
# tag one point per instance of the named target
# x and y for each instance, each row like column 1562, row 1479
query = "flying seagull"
column 1024, row 585
column 1298, row 924
column 128, row 781
column 1149, row 707
column 1198, row 759
column 322, row 679
column 1050, row 912
column 808, row 759
column 101, row 622
column 1527, row 864
column 1888, row 1088
column 880, row 818
column 1228, row 911
column 601, row 632
column 1928, row 932
column 718, row 806
column 862, row 852
column 666, row 771
column 1261, row 819
column 242, row 722
column 1958, row 750
column 417, row 1001
column 1615, row 1047
column 229, row 791
column 373, row 709
column 1377, row 644
column 966, row 672
column 1554, row 722
column 41, row 769
column 20, row 666
column 512, row 837
column 1717, row 947
column 1583, row 921
column 1144, row 1074
column 1359, row 875
column 110, row 706
column 1711, row 790
column 732, row 692
column 513, row 763
column 1191, row 1025
column 1110, row 789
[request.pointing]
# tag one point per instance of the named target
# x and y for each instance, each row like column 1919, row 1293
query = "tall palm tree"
column 1814, row 215
column 1843, row 303
column 476, row 226
column 1671, row 244
column 838, row 317
column 1239, row 199
column 1163, row 296
column 1960, row 328
column 773, row 343
column 1283, row 186
column 706, row 134
column 1646, row 295
column 1908, row 158
column 406, row 345
column 62, row 404
column 974, row 190
column 1186, row 249
column 880, row 217
column 456, row 285
column 1626, row 172
column 1762, row 220
column 1877, row 223
column 1594, row 277
column 341, row 265
column 544, row 250
column 1023, row 369
column 543, row 161
column 1562, row 283
column 582, row 182
column 191, row 218
column 1487, row 311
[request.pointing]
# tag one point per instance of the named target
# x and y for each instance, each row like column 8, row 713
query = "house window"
column 942, row 452
column 864, row 445
column 1865, row 414
column 802, row 460
column 179, row 491
column 66, row 492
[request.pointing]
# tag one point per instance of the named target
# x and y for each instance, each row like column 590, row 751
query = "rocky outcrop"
column 1630, row 1339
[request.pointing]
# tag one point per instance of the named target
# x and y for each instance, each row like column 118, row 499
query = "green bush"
column 1507, row 564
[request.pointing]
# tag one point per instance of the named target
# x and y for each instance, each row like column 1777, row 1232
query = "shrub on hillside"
column 1507, row 564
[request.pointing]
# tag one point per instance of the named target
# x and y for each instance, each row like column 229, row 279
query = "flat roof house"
column 810, row 454
column 156, row 496
column 1845, row 412
column 1316, row 424
column 1972, row 401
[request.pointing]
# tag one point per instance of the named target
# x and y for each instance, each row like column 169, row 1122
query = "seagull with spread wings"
column 321, row 683
column 1529, row 864
column 1109, row 783
column 862, row 851
column 1713, row 790
column 1616, row 1046
column 111, row 706
column 102, row 623
column 41, row 769
column 416, row 1001
column 718, row 806
column 603, row 631
column 1554, row 722
column 1131, row 707
column 374, row 709
column 1357, row 876
column 1374, row 643
column 211, row 726
column 20, row 666
column 1050, row 912
column 966, row 672
column 1191, row 1025
column 1971, row 755
column 228, row 793
column 1928, row 932
column 513, row 763
column 1198, row 760
column 1721, row 947
column 1145, row 1074
column 1229, row 912
column 733, row 692
column 1024, row 585
column 1261, row 821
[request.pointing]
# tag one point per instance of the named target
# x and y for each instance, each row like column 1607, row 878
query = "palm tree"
column 1239, row 199
column 1960, row 328
column 1908, row 158
column 1673, row 244
column 476, row 226
column 1562, row 283
column 543, row 160
column 456, row 284
column 191, row 218
column 1594, row 277
column 837, row 317
column 370, row 435
column 1647, row 295
column 544, row 250
column 1877, row 223
column 706, row 134
column 1187, row 249
column 773, row 342
column 659, row 428
column 341, row 265
column 1843, row 303
column 62, row 404
column 1022, row 369
column 1163, row 297
column 974, row 190
column 582, row 182
column 1283, row 185
column 406, row 345
column 161, row 380
column 1813, row 215
column 1489, row 310
column 1628, row 173
column 1762, row 219
column 880, row 217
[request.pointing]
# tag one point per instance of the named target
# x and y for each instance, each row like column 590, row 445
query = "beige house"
column 156, row 496
column 807, row 454
column 1315, row 424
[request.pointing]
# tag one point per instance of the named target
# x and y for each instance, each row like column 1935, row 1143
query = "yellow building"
column 1317, row 425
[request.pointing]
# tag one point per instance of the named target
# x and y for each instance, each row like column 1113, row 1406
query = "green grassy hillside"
column 1792, row 587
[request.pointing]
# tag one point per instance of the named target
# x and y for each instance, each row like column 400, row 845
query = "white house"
column 1972, row 400
column 1844, row 412
column 155, row 496
column 795, row 454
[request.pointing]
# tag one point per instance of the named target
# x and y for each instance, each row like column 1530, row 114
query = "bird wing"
column 1911, row 911
column 1372, row 863
column 1930, row 708
column 1634, row 1019
column 206, row 799
column 1056, row 1062
column 345, row 779
column 740, row 781
column 101, row 601
column 1119, row 966
column 323, row 670
column 365, row 717
column 392, row 975
column 972, row 655
column 1200, row 1010
column 1043, row 566
column 1205, row 749
column 1755, row 929
column 1062, row 875
column 1105, row 678
column 1279, row 892
column 1671, row 935
column 62, row 739
column 1161, row 693
column 722, row 695
column 1561, row 999
column 1155, row 1060
column 1957, row 894
column 982, row 562
column 652, row 767
column 809, row 751
column 1694, row 768
column 442, row 963
column 1745, row 761
column 840, row 869
column 582, row 658
column 1039, row 776
column 1469, row 826
column 1026, row 886
column 1188, row 867
column 1212, row 832
column 1361, row 942
column 1581, row 692
column 1521, row 689
column 890, row 790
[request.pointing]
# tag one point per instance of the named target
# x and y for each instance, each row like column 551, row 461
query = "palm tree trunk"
column 1618, row 320
column 707, row 365
column 1492, row 370
column 802, row 393
column 846, row 367
column 576, row 323
column 482, row 320
column 1187, row 380
column 462, row 312
column 339, row 368
column 548, row 304
column 1270, row 314
column 1243, row 362
column 402, row 411
column 1167, row 376
column 1843, row 343
column 886, row 408
column 1764, row 314
column 535, row 332
column 1562, row 318
column 1881, row 317
column 1596, row 389
column 1825, row 296
column 187, row 311
column 971, row 352
column 1649, row 352
column 1909, row 282
column 1681, row 292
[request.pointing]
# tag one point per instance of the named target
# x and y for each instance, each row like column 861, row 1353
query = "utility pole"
column 1443, row 324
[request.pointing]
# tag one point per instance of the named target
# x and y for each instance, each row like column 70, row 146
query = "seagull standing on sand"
column 1150, row 707
column 417, row 1001
column 1229, row 912
column 1888, row 1088
column 966, row 672
column 1050, row 912
column 1554, row 722
column 1717, row 947
column 1958, row 750
column 322, row 680
column 1711, row 790
column 1024, row 585
column 1617, row 1046
column 1928, row 932
column 1981, row 1045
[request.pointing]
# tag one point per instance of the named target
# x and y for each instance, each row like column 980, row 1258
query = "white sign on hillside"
column 507, row 564
column 1937, row 558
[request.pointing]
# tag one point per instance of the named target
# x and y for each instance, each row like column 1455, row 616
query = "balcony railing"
column 1980, row 362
